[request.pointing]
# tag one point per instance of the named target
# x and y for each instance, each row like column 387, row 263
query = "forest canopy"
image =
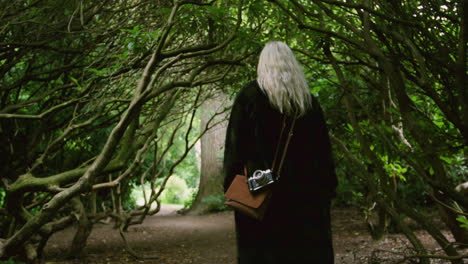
column 97, row 97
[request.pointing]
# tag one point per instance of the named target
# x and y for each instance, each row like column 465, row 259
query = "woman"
column 296, row 227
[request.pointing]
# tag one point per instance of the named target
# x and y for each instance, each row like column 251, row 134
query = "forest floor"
column 210, row 239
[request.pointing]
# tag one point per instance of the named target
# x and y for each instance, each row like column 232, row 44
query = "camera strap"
column 285, row 149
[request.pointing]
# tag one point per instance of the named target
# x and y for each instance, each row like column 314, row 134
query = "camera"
column 260, row 179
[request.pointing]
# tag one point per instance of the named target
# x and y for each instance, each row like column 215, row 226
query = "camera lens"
column 257, row 174
column 260, row 177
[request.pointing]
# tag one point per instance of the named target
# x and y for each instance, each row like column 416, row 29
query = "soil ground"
column 210, row 239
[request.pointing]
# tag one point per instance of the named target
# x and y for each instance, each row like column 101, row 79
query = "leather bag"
column 241, row 199
column 254, row 204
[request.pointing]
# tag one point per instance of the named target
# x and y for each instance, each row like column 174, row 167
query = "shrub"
column 176, row 191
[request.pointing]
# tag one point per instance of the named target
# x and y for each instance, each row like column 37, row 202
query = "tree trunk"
column 92, row 203
column 82, row 232
column 449, row 216
column 378, row 225
column 210, row 189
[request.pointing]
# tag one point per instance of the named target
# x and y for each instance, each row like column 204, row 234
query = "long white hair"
column 280, row 76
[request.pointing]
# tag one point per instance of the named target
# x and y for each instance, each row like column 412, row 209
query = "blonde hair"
column 280, row 76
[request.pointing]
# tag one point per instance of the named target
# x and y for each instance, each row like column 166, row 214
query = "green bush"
column 11, row 261
column 176, row 191
column 188, row 203
column 349, row 192
column 215, row 202
column 463, row 221
column 2, row 196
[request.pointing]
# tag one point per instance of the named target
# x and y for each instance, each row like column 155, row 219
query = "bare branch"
column 41, row 115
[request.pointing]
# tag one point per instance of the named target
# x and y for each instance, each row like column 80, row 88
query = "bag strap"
column 279, row 142
column 286, row 145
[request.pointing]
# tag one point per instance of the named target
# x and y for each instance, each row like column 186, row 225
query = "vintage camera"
column 260, row 179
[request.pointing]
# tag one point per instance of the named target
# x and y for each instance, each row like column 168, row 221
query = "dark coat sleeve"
column 238, row 131
column 326, row 168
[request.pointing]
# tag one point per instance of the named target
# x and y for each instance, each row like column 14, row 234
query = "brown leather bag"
column 241, row 199
column 254, row 204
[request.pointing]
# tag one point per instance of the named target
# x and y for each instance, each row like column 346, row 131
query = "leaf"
column 75, row 81
column 446, row 159
column 464, row 221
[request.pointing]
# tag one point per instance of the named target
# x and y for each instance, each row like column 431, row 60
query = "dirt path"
column 210, row 239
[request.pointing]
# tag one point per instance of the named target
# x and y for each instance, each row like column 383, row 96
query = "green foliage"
column 188, row 203
column 3, row 218
column 375, row 106
column 394, row 169
column 51, row 55
column 2, row 196
column 188, row 170
column 137, row 40
column 11, row 261
column 215, row 203
column 349, row 192
column 463, row 221
column 457, row 167
column 128, row 200
column 176, row 191
column 414, row 192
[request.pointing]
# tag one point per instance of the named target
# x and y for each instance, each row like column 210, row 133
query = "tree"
column 96, row 96
column 399, row 68
column 101, row 86
column 210, row 194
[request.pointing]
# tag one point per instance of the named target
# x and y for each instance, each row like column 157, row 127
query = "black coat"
column 296, row 227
